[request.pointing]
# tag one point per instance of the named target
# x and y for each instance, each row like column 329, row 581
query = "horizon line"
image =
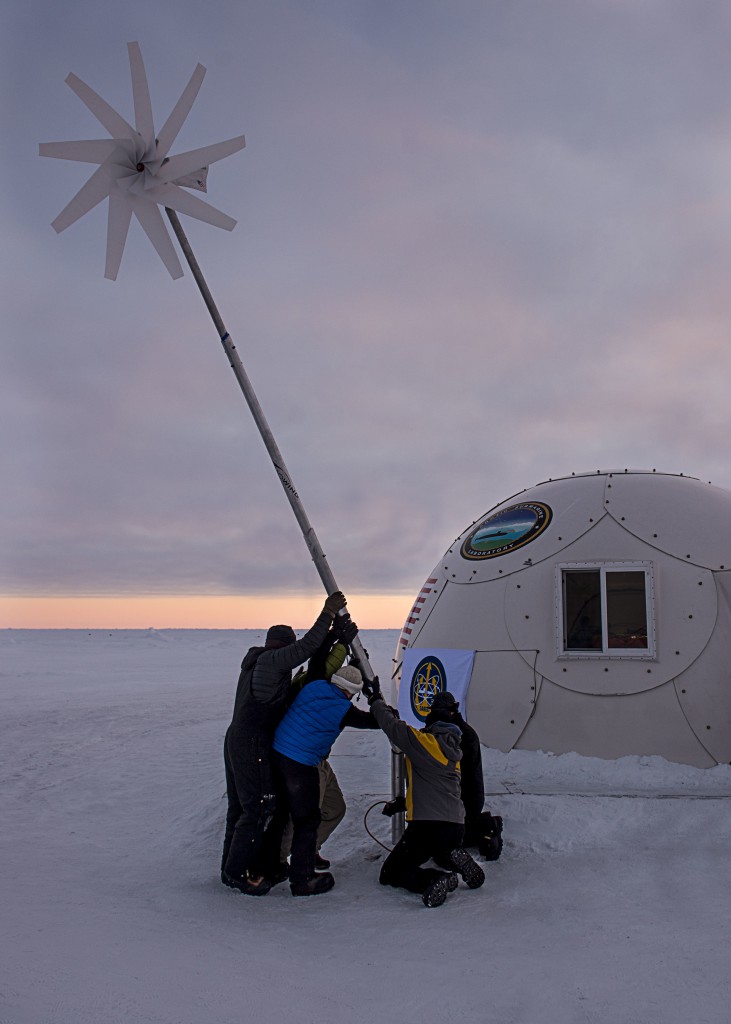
column 190, row 611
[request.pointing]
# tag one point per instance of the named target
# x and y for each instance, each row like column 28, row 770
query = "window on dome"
column 607, row 609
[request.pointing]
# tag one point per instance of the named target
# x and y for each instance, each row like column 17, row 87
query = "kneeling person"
column 302, row 740
column 434, row 809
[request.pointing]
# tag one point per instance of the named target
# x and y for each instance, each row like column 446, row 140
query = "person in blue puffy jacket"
column 302, row 740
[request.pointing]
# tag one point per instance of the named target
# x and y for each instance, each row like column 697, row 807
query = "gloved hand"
column 344, row 629
column 397, row 806
column 372, row 689
column 317, row 665
column 334, row 603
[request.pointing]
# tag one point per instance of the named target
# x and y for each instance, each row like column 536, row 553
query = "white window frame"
column 646, row 653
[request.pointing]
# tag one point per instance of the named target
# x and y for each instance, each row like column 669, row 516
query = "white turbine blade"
column 141, row 94
column 119, row 171
column 197, row 180
column 125, row 183
column 153, row 225
column 89, row 195
column 184, row 202
column 136, row 187
column 126, row 150
column 185, row 163
column 114, row 123
column 169, row 131
column 120, row 214
column 86, row 151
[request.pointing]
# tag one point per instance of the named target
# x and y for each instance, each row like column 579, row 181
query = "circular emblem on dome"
column 507, row 530
column 428, row 680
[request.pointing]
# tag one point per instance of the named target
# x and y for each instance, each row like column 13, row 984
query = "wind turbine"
column 135, row 171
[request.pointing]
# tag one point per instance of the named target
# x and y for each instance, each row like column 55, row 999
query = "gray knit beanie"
column 348, row 679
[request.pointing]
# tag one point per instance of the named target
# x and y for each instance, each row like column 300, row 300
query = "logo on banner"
column 428, row 679
column 507, row 530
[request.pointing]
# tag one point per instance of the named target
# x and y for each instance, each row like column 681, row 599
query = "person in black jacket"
column 261, row 696
column 445, row 708
column 482, row 829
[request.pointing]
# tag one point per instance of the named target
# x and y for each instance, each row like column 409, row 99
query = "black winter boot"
column 436, row 892
column 279, row 874
column 320, row 863
column 246, row 885
column 490, row 844
column 314, row 885
column 469, row 869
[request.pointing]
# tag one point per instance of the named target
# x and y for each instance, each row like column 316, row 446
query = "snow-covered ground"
column 611, row 902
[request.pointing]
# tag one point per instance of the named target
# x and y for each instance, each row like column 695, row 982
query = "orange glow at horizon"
column 370, row 611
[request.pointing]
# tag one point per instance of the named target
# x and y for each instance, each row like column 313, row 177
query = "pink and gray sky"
column 480, row 243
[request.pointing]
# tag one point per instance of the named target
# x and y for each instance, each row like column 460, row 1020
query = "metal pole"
column 398, row 788
column 313, row 545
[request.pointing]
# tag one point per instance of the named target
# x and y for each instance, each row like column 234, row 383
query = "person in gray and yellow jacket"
column 434, row 809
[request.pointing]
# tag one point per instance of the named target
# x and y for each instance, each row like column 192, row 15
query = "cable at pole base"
column 365, row 824
column 389, row 809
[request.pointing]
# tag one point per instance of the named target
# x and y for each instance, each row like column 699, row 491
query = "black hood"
column 448, row 736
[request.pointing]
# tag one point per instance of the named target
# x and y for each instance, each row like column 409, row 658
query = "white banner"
column 427, row 671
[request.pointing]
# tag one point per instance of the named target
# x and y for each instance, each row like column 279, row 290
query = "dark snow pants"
column 421, row 841
column 251, row 802
column 332, row 809
column 300, row 786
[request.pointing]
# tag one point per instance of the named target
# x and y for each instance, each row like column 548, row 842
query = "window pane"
column 582, row 610
column 626, row 609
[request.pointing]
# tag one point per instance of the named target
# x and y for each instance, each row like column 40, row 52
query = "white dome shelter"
column 595, row 613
